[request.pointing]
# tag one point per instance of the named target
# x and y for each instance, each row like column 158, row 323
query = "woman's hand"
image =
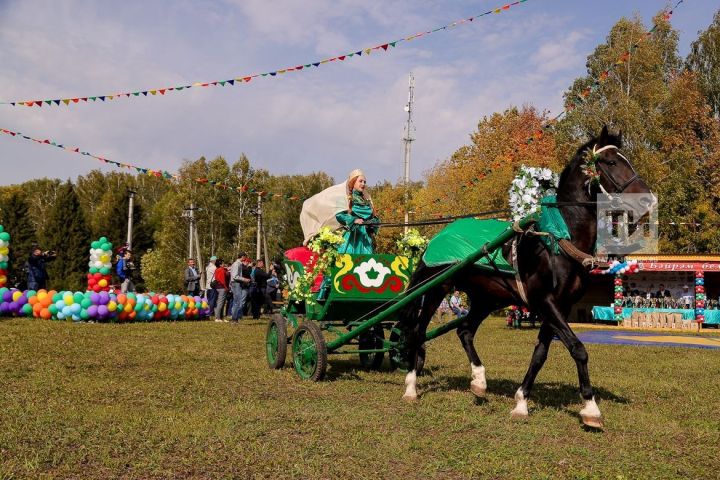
column 359, row 221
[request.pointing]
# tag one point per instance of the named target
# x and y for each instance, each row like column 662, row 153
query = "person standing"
column 258, row 288
column 192, row 279
column 124, row 269
column 37, row 276
column 209, row 277
column 239, row 284
column 221, row 287
column 273, row 285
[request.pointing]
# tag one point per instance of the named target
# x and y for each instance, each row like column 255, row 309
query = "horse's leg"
column 539, row 356
column 590, row 414
column 466, row 333
column 416, row 351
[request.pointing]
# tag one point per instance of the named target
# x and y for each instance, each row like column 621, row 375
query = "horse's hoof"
column 519, row 414
column 410, row 398
column 592, row 421
column 477, row 390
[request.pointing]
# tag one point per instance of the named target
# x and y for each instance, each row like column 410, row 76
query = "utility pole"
column 259, row 225
column 189, row 213
column 408, row 141
column 130, row 218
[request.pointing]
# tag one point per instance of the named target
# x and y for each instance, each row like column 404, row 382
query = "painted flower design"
column 291, row 276
column 376, row 278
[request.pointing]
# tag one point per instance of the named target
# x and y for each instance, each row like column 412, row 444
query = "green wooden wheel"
column 309, row 352
column 276, row 341
column 369, row 341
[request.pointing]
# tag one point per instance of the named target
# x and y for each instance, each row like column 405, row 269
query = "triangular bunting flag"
column 384, row 47
column 162, row 91
column 66, row 101
column 341, row 57
column 231, row 82
column 48, row 102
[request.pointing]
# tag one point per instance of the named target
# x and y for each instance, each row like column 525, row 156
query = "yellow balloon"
column 162, row 307
column 68, row 299
column 16, row 295
column 128, row 308
column 102, row 283
column 112, row 306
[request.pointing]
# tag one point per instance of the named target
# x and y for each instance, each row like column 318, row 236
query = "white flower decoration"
column 528, row 187
column 365, row 267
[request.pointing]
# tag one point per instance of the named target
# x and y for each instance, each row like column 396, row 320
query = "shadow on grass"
column 552, row 394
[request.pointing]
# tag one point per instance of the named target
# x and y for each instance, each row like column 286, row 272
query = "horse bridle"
column 618, row 187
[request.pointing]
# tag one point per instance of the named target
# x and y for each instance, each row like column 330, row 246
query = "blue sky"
column 334, row 118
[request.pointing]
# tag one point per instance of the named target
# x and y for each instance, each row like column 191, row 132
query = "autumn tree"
column 637, row 88
column 477, row 176
column 704, row 60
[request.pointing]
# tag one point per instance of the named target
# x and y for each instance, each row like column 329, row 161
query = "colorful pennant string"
column 153, row 172
column 247, row 78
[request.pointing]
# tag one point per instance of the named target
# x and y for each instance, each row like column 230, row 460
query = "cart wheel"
column 372, row 340
column 398, row 359
column 276, row 341
column 309, row 352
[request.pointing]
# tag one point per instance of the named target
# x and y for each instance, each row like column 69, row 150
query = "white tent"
column 319, row 210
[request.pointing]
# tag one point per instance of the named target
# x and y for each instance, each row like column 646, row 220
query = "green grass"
column 195, row 399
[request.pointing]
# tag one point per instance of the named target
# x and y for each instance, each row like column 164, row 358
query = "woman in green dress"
column 359, row 218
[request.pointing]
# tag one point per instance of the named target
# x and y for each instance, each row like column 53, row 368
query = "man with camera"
column 37, row 276
column 124, row 269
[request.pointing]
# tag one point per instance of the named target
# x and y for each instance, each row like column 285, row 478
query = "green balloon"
column 95, row 244
column 78, row 297
column 28, row 294
column 84, row 315
column 3, row 265
column 106, row 246
column 4, row 236
column 27, row 309
column 86, row 302
column 105, row 270
column 53, row 309
column 1, row 228
column 57, row 296
column 103, row 240
column 93, row 270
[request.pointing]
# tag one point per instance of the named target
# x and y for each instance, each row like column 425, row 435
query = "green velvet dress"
column 357, row 237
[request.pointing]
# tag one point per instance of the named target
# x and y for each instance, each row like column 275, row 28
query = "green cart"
column 359, row 313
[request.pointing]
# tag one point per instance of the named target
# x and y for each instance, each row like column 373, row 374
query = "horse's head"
column 609, row 169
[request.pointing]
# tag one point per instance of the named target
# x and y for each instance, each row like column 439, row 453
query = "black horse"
column 547, row 283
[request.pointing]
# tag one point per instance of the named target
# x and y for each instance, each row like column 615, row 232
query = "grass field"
column 195, row 399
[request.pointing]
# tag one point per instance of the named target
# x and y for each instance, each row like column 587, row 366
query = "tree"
column 14, row 217
column 477, row 176
column 67, row 234
column 667, row 129
column 704, row 60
